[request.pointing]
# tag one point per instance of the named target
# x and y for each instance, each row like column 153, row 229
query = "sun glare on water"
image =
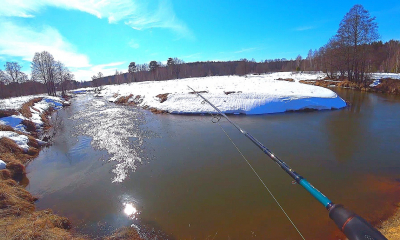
column 129, row 209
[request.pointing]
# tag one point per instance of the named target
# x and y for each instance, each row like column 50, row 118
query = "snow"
column 375, row 83
column 386, row 75
column 15, row 121
column 20, row 140
column 254, row 94
column 2, row 164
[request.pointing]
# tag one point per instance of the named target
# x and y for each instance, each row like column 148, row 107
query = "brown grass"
column 157, row 111
column 6, row 128
column 25, row 109
column 124, row 233
column 30, row 126
column 123, row 100
column 163, row 97
column 8, row 112
column 388, row 85
column 38, row 225
column 5, row 174
column 14, row 200
column 391, row 227
column 286, row 79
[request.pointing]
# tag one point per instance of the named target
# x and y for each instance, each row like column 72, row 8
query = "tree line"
column 352, row 53
column 47, row 76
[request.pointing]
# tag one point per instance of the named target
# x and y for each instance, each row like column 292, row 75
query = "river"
column 187, row 181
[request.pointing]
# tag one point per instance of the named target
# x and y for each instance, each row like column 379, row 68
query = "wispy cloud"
column 245, row 50
column 107, row 70
column 20, row 41
column 133, row 44
column 304, row 28
column 135, row 13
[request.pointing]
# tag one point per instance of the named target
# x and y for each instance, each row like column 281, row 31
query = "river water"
column 187, row 181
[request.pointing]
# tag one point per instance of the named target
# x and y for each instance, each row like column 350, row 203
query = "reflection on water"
column 346, row 126
column 113, row 129
column 197, row 186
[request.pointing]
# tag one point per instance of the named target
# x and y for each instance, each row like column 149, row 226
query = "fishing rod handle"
column 352, row 225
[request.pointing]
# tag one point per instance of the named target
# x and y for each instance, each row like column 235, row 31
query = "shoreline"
column 386, row 85
column 19, row 218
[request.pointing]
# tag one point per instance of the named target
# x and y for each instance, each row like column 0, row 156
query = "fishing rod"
column 351, row 224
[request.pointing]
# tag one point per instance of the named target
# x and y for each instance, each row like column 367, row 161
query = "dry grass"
column 14, row 200
column 8, row 112
column 30, row 126
column 157, row 111
column 25, row 109
column 286, row 79
column 124, row 233
column 388, row 85
column 123, row 100
column 6, row 128
column 38, row 225
column 163, row 97
column 391, row 227
column 5, row 174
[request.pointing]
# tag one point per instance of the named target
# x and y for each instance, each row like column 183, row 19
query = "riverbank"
column 385, row 85
column 19, row 144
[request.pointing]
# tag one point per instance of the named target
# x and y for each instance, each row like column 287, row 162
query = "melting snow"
column 255, row 94
column 2, row 164
column 20, row 140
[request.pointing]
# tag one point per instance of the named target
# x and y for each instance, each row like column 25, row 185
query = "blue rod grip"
column 313, row 191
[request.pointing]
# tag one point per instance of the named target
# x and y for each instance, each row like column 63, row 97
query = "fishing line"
column 255, row 172
column 352, row 225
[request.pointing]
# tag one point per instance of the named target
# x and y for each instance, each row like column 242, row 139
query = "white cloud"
column 245, row 50
column 108, row 69
column 137, row 14
column 24, row 42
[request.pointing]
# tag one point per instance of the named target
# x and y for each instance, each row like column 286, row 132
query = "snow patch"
column 375, row 83
column 20, row 140
column 385, row 75
column 2, row 165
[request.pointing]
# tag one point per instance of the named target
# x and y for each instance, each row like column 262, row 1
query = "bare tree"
column 357, row 29
column 43, row 69
column 63, row 75
column 12, row 73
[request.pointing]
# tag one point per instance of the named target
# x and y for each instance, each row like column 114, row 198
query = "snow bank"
column 255, row 94
column 386, row 75
column 15, row 121
column 20, row 140
column 2, row 164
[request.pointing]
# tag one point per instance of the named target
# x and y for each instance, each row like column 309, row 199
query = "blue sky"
column 104, row 35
